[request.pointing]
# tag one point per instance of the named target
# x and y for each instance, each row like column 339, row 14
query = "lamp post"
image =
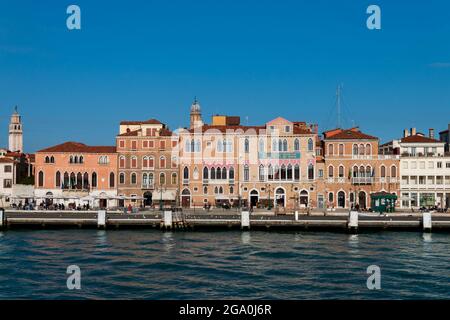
column 267, row 186
column 161, row 190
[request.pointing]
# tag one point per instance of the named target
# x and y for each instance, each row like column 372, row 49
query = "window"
column 285, row 145
column 341, row 149
column 47, row 159
column 94, row 180
column 296, row 145
column 205, row 173
column 134, row 162
column 439, row 165
column 218, row 174
column 8, row 168
column 151, row 162
column 261, row 145
column 331, row 198
column 162, row 179
column 121, row 144
column 355, row 149
column 330, row 149
column 122, row 162
column 320, row 173
column 134, row 145
column 261, row 173
column 174, row 178
column 145, row 143
column 133, row 178
column 246, row 173
column 58, row 179
column 383, row 171
column 330, row 172
column 112, row 179
column 311, row 172
column 393, row 172
column 103, row 160
column 368, row 149
column 246, row 146
column 296, row 172
column 287, row 129
column 122, row 178
column 7, row 183
column 186, row 173
column 40, row 179
column 219, row 146
column 289, row 172
column 447, row 165
column 162, row 162
column 310, row 145
column 145, row 162
column 341, row 171
column 224, row 173
column 231, row 174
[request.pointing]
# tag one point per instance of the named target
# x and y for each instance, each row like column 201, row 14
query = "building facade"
column 354, row 169
column 147, row 164
column 16, row 133
column 424, row 169
column 77, row 174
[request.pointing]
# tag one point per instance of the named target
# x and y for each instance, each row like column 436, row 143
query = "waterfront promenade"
column 191, row 220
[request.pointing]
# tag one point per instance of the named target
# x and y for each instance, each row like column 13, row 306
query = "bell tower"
column 196, row 115
column 15, row 133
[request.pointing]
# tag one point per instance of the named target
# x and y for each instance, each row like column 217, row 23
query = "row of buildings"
column 281, row 164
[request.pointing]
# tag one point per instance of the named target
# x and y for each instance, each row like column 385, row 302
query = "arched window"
column 341, row 171
column 205, row 173
column 368, row 171
column 296, row 172
column 231, row 189
column 216, row 190
column 192, row 145
column 58, row 179
column 289, row 172
column 383, row 172
column 330, row 172
column 66, row 181
column 187, row 145
column 274, row 145
column 213, row 173
column 246, row 146
column 261, row 145
column 283, row 172
column 221, row 190
column 145, row 162
column 75, row 159
column 231, row 173
column 246, row 173
column 368, row 149
column 270, row 174
column 133, row 178
column 355, row 149
column 112, row 180
column 393, row 172
column 361, row 150
column 134, row 162
column 205, row 190
column 162, row 179
column 331, row 197
column 52, row 159
column 355, row 172
column 280, row 145
column 162, row 162
column 122, row 178
column 79, row 180
column 150, row 179
column 85, row 180
column 224, row 173
column 362, row 172
column 186, row 173
column 310, row 145
column 122, row 162
column 81, row 159
column 174, row 179
column 71, row 159
column 197, row 146
column 296, row 145
column 219, row 146
column 218, row 174
column 311, row 172
column 261, row 173
column 145, row 180
column 151, row 162
column 285, row 145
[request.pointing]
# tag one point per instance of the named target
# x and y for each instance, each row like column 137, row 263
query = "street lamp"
column 161, row 190
column 269, row 207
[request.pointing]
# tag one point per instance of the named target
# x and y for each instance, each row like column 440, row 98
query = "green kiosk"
column 383, row 202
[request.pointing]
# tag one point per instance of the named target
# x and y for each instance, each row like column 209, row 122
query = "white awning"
column 168, row 195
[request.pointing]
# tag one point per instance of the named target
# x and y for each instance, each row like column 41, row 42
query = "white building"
column 6, row 180
column 424, row 170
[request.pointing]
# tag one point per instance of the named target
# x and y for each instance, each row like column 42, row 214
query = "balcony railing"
column 149, row 185
column 363, row 180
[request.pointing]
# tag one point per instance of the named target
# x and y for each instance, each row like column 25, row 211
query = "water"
column 149, row 264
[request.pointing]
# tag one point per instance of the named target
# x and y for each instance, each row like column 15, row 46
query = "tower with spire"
column 15, row 132
column 196, row 115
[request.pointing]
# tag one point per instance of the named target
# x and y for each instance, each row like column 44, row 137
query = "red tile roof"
column 6, row 160
column 149, row 121
column 419, row 139
column 133, row 133
column 347, row 134
column 78, row 147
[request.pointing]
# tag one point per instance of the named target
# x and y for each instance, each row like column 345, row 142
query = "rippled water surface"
column 149, row 264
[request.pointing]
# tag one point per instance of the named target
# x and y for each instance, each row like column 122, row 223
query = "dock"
column 168, row 220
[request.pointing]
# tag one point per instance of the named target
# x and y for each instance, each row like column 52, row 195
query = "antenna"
column 338, row 105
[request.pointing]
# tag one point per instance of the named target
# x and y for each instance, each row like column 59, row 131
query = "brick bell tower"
column 15, row 133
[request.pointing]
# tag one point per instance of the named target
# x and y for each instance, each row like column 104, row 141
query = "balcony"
column 363, row 180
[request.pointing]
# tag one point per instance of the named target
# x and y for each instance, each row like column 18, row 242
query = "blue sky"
column 259, row 59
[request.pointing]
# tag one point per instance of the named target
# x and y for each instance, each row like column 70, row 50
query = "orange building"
column 74, row 173
column 354, row 169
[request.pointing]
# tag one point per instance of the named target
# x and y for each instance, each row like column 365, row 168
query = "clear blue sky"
column 259, row 59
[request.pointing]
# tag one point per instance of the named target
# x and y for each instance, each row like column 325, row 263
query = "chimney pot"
column 431, row 133
column 413, row 131
column 405, row 133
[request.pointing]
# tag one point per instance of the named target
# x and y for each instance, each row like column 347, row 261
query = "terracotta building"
column 354, row 169
column 74, row 173
column 147, row 164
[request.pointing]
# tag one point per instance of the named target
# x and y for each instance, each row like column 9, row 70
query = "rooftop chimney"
column 431, row 133
column 413, row 131
column 405, row 133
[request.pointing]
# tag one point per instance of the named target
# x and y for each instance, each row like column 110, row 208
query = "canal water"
column 149, row 264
